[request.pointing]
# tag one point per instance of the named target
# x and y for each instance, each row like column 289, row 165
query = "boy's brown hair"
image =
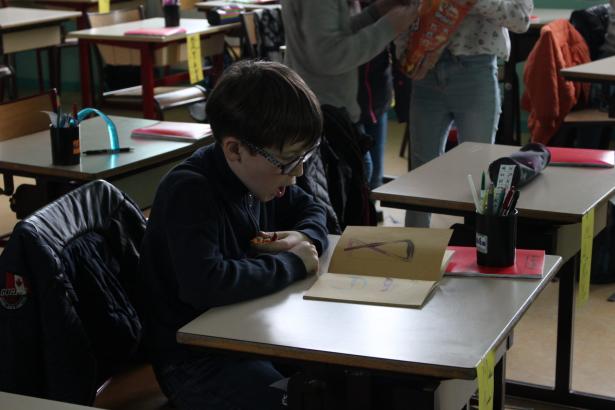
column 265, row 103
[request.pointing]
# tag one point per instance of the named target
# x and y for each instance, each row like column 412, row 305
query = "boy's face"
column 260, row 171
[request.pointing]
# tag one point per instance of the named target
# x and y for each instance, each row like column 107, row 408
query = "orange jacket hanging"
column 549, row 97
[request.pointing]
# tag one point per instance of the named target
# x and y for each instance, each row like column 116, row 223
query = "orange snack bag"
column 437, row 22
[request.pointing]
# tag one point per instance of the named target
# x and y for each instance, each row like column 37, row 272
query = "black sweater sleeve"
column 299, row 211
column 206, row 252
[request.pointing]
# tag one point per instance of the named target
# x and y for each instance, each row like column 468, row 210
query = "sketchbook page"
column 395, row 252
column 370, row 290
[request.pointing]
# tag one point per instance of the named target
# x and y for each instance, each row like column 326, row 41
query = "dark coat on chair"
column 336, row 176
column 67, row 277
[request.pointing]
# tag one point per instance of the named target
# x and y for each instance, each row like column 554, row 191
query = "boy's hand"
column 278, row 241
column 308, row 254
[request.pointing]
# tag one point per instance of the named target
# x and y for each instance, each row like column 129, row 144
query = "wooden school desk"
column 463, row 320
column 9, row 401
column 556, row 200
column 147, row 46
column 23, row 29
column 82, row 6
column 509, row 131
column 599, row 71
column 137, row 173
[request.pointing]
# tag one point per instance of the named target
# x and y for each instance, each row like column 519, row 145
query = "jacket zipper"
column 249, row 204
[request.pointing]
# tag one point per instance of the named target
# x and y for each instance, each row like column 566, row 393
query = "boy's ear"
column 231, row 148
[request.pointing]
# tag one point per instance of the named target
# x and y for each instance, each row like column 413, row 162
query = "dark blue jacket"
column 196, row 250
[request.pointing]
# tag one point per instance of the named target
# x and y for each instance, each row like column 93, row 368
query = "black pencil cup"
column 65, row 149
column 171, row 15
column 496, row 238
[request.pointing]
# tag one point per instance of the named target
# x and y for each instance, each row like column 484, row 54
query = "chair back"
column 250, row 33
column 24, row 116
column 72, row 268
column 114, row 54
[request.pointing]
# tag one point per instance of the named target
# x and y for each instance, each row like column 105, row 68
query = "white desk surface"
column 17, row 17
column 464, row 319
column 603, row 69
column 32, row 153
column 9, row 401
column 560, row 194
column 206, row 5
column 545, row 16
column 116, row 31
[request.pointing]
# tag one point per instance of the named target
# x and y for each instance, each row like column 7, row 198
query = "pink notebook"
column 173, row 131
column 529, row 264
column 581, row 157
column 155, row 31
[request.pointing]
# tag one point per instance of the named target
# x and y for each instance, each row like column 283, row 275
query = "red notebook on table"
column 529, row 264
column 155, row 31
column 173, row 131
column 581, row 157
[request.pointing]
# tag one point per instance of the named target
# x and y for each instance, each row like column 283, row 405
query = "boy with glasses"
column 199, row 249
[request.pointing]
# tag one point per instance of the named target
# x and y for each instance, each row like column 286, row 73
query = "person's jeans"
column 459, row 89
column 221, row 383
column 378, row 131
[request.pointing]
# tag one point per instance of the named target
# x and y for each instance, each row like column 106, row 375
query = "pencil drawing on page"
column 354, row 244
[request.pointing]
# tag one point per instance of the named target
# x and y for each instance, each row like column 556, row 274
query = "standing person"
column 459, row 83
column 325, row 45
column 375, row 96
column 210, row 237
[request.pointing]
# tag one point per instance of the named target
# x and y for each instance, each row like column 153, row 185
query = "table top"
column 545, row 16
column 463, row 320
column 16, row 17
column 116, row 31
column 558, row 194
column 19, row 402
column 206, row 5
column 32, row 153
column 599, row 70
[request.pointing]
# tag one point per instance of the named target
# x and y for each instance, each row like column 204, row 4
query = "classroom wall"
column 26, row 62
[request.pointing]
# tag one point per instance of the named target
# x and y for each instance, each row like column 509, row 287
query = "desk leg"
column 507, row 127
column 565, row 325
column 218, row 67
column 147, row 80
column 499, row 384
column 84, row 64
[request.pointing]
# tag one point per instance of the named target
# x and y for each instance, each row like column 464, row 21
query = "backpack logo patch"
column 15, row 292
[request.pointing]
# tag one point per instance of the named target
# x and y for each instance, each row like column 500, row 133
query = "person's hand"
column 308, row 255
column 402, row 17
column 280, row 241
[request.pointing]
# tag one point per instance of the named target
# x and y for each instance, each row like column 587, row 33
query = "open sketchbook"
column 388, row 266
column 173, row 131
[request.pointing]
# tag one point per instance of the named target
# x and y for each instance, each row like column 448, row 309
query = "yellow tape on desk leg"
column 104, row 6
column 485, row 372
column 587, row 239
column 195, row 61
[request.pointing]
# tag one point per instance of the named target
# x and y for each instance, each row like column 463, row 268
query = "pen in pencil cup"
column 513, row 203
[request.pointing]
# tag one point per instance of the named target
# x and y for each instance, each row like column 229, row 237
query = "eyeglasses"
column 288, row 167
